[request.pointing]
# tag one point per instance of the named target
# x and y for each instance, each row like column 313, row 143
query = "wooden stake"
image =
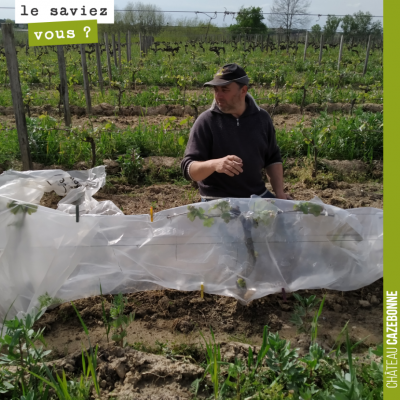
column 16, row 93
column 108, row 58
column 63, row 85
column 320, row 49
column 114, row 50
column 305, row 47
column 279, row 44
column 86, row 81
column 119, row 51
column 340, row 52
column 128, row 45
column 99, row 71
column 367, row 56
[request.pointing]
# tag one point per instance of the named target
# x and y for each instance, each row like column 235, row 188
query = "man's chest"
column 248, row 141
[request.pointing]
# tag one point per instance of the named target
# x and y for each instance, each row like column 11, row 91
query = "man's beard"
column 228, row 107
column 225, row 108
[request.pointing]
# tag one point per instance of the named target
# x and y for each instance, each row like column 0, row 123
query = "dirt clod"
column 365, row 303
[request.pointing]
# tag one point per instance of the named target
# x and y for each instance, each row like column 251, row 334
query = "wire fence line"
column 225, row 12
column 226, row 36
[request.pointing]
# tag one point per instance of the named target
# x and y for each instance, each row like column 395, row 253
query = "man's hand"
column 229, row 165
column 275, row 177
column 283, row 196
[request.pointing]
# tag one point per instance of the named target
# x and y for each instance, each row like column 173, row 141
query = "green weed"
column 119, row 322
column 302, row 315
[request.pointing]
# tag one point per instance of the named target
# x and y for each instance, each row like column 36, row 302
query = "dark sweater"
column 251, row 137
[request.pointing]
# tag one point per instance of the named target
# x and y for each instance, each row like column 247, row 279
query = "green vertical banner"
column 62, row 33
column 391, row 222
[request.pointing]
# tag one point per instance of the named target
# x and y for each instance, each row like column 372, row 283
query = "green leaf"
column 241, row 283
column 80, row 319
column 208, row 222
column 226, row 216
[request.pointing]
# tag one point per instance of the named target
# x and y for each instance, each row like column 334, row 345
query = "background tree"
column 360, row 24
column 249, row 20
column 289, row 15
column 190, row 28
column 146, row 19
column 316, row 32
column 331, row 26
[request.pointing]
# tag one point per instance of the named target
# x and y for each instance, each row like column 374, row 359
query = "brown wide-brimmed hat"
column 227, row 74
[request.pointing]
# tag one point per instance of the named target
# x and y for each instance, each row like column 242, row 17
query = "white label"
column 32, row 11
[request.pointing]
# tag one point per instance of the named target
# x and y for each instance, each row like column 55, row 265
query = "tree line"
column 285, row 17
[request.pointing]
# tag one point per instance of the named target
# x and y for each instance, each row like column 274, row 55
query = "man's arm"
column 275, row 177
column 200, row 170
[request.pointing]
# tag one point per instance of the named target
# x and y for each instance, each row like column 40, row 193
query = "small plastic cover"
column 78, row 187
column 245, row 248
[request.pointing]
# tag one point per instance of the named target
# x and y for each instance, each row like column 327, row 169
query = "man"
column 232, row 142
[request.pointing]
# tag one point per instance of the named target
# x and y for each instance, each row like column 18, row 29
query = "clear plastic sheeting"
column 245, row 248
column 78, row 187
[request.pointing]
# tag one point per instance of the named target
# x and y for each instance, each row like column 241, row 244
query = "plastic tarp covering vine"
column 245, row 248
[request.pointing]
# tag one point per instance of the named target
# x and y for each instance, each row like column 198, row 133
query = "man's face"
column 230, row 97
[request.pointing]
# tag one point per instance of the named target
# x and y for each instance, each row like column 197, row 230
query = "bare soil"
column 138, row 199
column 173, row 316
column 169, row 322
column 280, row 121
column 108, row 110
